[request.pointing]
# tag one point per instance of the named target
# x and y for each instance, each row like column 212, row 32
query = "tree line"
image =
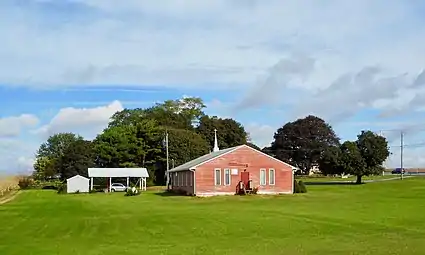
column 135, row 138
column 311, row 141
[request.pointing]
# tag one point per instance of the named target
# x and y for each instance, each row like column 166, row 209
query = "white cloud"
column 188, row 43
column 260, row 134
column 413, row 157
column 25, row 164
column 216, row 107
column 331, row 58
column 85, row 121
column 16, row 156
column 13, row 126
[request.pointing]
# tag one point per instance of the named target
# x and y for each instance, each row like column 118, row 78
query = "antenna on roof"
column 215, row 141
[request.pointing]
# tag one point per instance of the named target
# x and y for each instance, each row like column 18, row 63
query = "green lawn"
column 375, row 218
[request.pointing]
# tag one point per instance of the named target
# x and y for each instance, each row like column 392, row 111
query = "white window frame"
column 272, row 170
column 227, row 171
column 215, row 177
column 265, row 177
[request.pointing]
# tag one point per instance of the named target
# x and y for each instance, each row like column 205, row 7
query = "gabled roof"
column 191, row 165
column 202, row 159
column 78, row 176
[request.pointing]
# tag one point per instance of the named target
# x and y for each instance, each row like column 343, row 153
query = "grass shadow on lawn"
column 168, row 194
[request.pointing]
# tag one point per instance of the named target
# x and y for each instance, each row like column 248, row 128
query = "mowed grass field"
column 374, row 218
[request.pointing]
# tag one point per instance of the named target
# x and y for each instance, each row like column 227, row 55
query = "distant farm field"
column 8, row 184
column 321, row 178
column 374, row 218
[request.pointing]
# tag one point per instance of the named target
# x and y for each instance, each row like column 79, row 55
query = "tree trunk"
column 359, row 179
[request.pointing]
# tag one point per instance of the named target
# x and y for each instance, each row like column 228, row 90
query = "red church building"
column 224, row 172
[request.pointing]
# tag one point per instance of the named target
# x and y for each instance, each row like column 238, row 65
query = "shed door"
column 245, row 178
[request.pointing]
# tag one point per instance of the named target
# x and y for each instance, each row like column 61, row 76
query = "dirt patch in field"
column 8, row 197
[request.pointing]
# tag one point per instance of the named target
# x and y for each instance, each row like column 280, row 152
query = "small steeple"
column 215, row 141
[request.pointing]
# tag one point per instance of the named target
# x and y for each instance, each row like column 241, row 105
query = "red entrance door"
column 245, row 178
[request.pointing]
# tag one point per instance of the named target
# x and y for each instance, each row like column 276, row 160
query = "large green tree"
column 230, row 133
column 330, row 161
column 185, row 145
column 362, row 157
column 138, row 145
column 56, row 144
column 171, row 114
column 77, row 158
column 178, row 114
column 351, row 160
column 127, row 117
column 50, row 152
column 374, row 150
column 128, row 144
column 44, row 168
column 302, row 142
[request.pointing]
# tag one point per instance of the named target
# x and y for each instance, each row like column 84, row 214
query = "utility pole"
column 168, row 163
column 381, row 133
column 401, row 154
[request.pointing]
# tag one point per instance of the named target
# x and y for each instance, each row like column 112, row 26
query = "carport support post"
column 128, row 181
column 110, row 183
column 140, row 183
column 91, row 183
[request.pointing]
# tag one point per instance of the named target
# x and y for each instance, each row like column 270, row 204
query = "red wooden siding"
column 243, row 158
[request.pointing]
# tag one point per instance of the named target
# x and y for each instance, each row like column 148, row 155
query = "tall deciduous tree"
column 77, row 158
column 44, row 168
column 56, row 144
column 51, row 151
column 127, row 117
column 360, row 158
column 185, row 145
column 351, row 160
column 130, row 145
column 330, row 161
column 374, row 150
column 230, row 133
column 171, row 114
column 302, row 142
column 178, row 114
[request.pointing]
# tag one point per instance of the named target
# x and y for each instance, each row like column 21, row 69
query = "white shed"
column 77, row 183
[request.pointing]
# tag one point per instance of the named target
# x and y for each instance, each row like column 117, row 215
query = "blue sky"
column 68, row 65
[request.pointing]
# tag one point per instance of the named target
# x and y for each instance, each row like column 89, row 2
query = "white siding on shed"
column 77, row 183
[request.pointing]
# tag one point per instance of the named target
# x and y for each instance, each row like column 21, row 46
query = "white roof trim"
column 118, row 172
column 77, row 176
column 206, row 161
column 234, row 149
column 265, row 154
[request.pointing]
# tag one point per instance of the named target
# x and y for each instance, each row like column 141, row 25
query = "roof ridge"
column 201, row 159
